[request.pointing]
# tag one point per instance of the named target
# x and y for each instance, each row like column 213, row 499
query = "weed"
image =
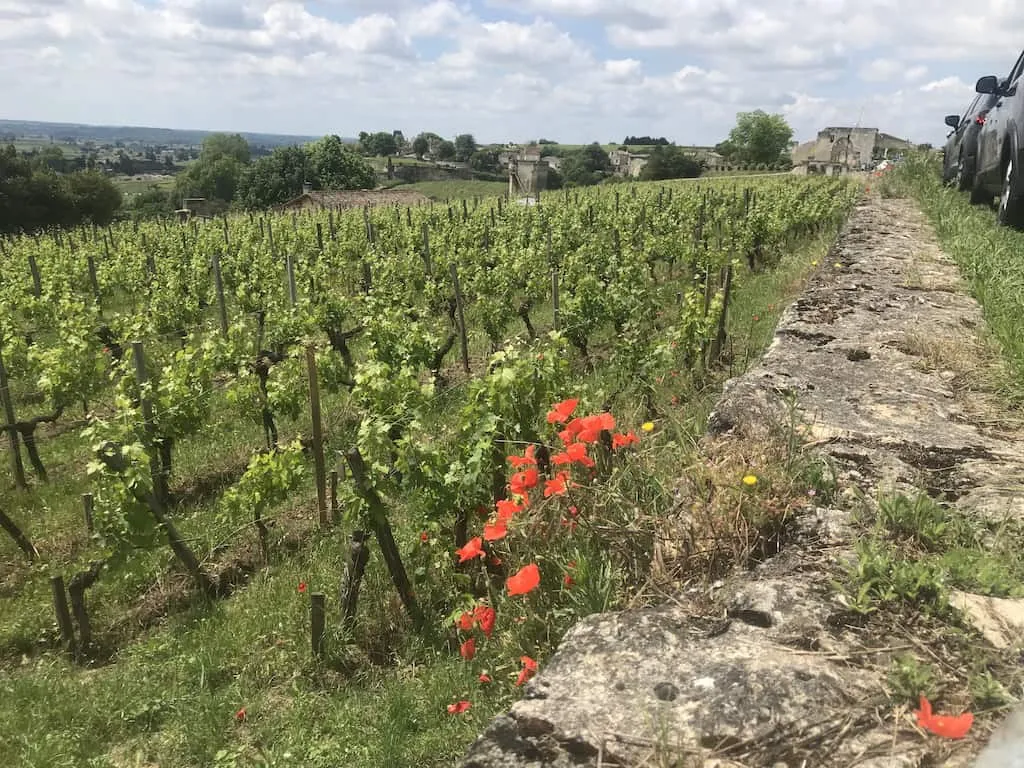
column 909, row 679
column 987, row 692
column 920, row 520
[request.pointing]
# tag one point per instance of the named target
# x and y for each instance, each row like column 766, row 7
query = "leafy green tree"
column 218, row 145
column 670, row 162
column 333, row 165
column 420, row 145
column 31, row 199
column 446, row 150
column 380, row 144
column 586, row 166
column 465, row 146
column 216, row 173
column 485, row 161
column 276, row 178
column 757, row 138
column 94, row 196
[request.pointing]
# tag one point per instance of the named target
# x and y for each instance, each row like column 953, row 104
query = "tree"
column 212, row 179
column 276, row 178
column 420, row 146
column 94, row 197
column 758, row 137
column 380, row 144
column 218, row 169
column 335, row 166
column 218, row 145
column 645, row 141
column 465, row 146
column 586, row 166
column 33, row 197
column 670, row 162
column 485, row 161
column 446, row 151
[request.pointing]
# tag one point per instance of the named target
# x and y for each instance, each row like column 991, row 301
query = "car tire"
column 1011, row 200
column 964, row 177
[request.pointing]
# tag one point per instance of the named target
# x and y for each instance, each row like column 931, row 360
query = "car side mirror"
column 952, row 120
column 987, row 84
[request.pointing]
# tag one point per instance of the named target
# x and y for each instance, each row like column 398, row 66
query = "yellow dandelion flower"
column 814, row 263
column 837, row 265
column 750, row 480
column 648, row 426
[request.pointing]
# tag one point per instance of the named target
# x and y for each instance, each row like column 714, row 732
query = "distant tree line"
column 34, row 197
column 645, row 141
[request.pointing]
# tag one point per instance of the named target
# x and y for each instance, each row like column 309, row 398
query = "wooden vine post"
column 318, row 436
column 60, row 606
column 461, row 310
column 378, row 520
column 87, row 509
column 17, row 466
column 37, row 285
column 335, row 508
column 218, row 281
column 719, row 341
column 318, row 616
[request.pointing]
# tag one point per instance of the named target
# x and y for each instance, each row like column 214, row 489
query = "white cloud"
column 572, row 69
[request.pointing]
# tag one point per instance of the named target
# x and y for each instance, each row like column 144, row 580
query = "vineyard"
column 324, row 489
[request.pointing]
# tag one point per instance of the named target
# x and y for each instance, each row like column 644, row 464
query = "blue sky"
column 569, row 70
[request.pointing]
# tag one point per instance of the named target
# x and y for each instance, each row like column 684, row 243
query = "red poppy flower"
column 473, row 548
column 302, row 587
column 576, row 452
column 947, row 726
column 506, row 509
column 424, row 537
column 528, row 671
column 486, row 616
column 562, row 411
column 591, row 427
column 484, row 678
column 528, row 460
column 466, row 621
column 557, row 486
column 567, row 581
column 240, row 715
column 522, row 482
column 459, row 707
column 496, row 531
column 468, row 649
column 525, row 580
column 621, row 441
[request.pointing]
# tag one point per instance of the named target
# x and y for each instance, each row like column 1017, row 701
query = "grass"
column 463, row 189
column 179, row 672
column 133, row 185
column 988, row 256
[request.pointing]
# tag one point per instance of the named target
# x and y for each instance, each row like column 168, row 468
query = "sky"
column 504, row 70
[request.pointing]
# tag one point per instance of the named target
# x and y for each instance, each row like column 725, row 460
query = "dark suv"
column 1000, row 143
column 961, row 153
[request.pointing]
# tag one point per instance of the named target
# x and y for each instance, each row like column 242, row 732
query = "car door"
column 991, row 137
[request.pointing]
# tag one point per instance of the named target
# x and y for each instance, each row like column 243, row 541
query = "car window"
column 1016, row 71
column 971, row 110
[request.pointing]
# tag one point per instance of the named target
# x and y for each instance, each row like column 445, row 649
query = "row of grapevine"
column 145, row 326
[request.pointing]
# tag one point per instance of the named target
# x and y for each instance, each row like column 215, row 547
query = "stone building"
column 844, row 149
